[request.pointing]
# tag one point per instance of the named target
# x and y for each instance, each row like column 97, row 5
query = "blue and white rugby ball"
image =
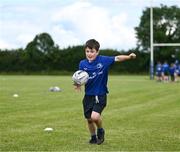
column 80, row 77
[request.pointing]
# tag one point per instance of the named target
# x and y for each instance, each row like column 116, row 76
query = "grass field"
column 141, row 115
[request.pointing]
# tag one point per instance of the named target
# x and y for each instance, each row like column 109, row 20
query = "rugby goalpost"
column 152, row 44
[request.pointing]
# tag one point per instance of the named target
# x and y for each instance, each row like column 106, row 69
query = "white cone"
column 15, row 95
column 48, row 129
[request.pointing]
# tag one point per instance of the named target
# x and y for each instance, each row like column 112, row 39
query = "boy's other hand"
column 77, row 87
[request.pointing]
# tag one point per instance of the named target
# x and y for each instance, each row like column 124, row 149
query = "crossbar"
column 166, row 44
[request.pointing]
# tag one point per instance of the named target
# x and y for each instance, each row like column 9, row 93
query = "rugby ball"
column 80, row 77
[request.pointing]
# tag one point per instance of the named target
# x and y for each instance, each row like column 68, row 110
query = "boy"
column 159, row 72
column 172, row 71
column 94, row 100
column 177, row 71
column 165, row 71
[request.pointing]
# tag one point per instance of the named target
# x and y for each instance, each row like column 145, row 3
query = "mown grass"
column 141, row 115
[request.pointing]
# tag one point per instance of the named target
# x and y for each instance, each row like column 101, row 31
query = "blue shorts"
column 93, row 103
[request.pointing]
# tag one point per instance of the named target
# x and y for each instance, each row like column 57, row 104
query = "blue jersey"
column 165, row 67
column 172, row 70
column 158, row 69
column 98, row 74
column 178, row 70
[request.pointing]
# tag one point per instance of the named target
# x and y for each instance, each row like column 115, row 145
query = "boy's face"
column 91, row 54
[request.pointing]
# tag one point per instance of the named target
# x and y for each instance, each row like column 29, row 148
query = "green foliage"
column 38, row 51
column 31, row 60
column 41, row 43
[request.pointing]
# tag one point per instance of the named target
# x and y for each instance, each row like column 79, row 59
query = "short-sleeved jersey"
column 178, row 70
column 158, row 69
column 98, row 74
column 165, row 67
column 172, row 70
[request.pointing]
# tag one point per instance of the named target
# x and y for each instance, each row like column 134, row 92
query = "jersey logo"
column 99, row 65
column 93, row 75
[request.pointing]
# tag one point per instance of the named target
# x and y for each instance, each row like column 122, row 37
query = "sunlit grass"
column 141, row 115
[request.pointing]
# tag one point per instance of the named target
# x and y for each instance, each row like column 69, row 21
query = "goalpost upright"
column 151, row 44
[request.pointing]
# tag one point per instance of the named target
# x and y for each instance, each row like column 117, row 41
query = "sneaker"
column 93, row 141
column 100, row 135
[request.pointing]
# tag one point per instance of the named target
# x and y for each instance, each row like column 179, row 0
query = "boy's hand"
column 132, row 56
column 77, row 87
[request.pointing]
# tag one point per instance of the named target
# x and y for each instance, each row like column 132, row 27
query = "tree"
column 38, row 50
column 166, row 28
column 166, row 25
column 42, row 43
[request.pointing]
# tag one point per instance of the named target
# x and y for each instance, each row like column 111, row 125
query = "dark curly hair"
column 92, row 44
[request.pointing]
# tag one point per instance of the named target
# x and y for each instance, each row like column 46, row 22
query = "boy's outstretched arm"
column 121, row 58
